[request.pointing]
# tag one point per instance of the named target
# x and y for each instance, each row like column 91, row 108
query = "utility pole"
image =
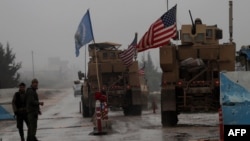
column 231, row 21
column 33, row 70
column 167, row 4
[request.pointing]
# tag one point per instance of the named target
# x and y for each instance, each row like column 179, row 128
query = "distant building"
column 56, row 75
column 55, row 63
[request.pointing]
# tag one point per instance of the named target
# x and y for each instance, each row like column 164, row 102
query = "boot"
column 28, row 139
column 21, row 134
column 36, row 139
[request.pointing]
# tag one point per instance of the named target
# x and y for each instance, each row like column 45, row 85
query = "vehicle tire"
column 136, row 110
column 132, row 110
column 85, row 110
column 169, row 118
column 92, row 112
column 126, row 111
column 129, row 109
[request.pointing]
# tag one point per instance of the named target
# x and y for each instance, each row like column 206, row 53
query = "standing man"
column 33, row 109
column 19, row 108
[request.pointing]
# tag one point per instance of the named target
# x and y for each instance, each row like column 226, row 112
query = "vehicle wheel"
column 85, row 111
column 169, row 118
column 126, row 111
column 92, row 112
column 136, row 110
column 132, row 110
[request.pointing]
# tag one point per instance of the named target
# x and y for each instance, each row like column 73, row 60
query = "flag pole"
column 85, row 60
column 136, row 53
column 96, row 60
column 143, row 58
column 97, row 70
column 144, row 64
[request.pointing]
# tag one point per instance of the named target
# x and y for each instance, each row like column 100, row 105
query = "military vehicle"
column 190, row 78
column 107, row 73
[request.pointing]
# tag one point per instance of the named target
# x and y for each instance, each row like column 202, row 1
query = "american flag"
column 160, row 32
column 128, row 54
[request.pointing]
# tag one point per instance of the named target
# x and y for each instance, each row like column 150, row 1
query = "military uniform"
column 33, row 110
column 19, row 108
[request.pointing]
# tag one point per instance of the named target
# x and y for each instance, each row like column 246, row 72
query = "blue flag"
column 84, row 33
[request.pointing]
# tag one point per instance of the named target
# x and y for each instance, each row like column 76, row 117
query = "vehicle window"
column 209, row 33
column 112, row 55
column 105, row 55
column 186, row 37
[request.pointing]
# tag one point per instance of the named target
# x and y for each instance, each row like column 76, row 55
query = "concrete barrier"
column 235, row 97
column 6, row 96
column 4, row 114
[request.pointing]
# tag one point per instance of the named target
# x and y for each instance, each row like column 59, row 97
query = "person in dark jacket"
column 33, row 109
column 19, row 108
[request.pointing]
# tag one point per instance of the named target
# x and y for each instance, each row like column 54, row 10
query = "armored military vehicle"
column 190, row 79
column 108, row 74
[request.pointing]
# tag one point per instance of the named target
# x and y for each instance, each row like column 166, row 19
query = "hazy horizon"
column 47, row 27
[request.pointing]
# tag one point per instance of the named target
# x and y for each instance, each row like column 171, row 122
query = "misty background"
column 47, row 28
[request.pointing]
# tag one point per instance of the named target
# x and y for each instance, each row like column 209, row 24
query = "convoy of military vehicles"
column 190, row 73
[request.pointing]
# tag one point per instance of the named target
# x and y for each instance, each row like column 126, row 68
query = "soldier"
column 33, row 109
column 19, row 108
column 197, row 21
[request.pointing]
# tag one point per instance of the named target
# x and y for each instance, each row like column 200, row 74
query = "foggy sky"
column 48, row 26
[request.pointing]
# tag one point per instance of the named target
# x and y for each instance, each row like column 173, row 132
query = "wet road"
column 62, row 121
